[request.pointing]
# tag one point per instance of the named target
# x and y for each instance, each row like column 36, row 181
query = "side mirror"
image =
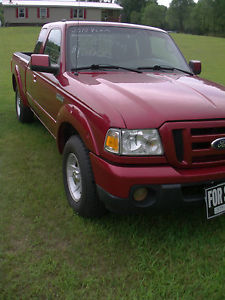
column 195, row 66
column 41, row 63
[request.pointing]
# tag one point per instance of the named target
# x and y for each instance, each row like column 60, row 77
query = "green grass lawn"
column 47, row 252
column 209, row 50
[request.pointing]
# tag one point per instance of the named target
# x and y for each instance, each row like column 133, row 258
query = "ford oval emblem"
column 218, row 144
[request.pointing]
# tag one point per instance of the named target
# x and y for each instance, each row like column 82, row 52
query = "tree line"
column 1, row 14
column 206, row 17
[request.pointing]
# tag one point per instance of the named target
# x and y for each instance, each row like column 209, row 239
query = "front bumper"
column 167, row 187
column 165, row 196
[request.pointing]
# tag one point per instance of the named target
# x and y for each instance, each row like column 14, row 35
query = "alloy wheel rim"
column 18, row 105
column 74, row 177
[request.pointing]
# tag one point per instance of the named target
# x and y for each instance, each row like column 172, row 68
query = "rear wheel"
column 23, row 113
column 79, row 180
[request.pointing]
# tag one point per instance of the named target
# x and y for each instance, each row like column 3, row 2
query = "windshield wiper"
column 102, row 66
column 159, row 68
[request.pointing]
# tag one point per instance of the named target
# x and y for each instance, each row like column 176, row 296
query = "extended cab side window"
column 40, row 41
column 53, row 46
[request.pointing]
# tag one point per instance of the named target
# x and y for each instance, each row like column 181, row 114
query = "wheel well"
column 14, row 83
column 65, row 132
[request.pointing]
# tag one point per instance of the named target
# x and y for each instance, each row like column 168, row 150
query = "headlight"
column 141, row 142
column 134, row 142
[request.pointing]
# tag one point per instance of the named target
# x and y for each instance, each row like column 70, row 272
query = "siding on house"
column 11, row 15
column 41, row 12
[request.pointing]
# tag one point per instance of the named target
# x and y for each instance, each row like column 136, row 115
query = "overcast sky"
column 164, row 2
column 167, row 2
column 160, row 2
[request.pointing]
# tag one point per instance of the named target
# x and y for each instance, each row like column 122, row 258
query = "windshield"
column 125, row 47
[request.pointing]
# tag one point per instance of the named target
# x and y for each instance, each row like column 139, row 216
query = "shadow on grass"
column 167, row 226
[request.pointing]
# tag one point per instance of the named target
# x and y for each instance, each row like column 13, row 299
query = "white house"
column 38, row 12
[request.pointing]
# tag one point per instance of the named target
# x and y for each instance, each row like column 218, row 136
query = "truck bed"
column 23, row 55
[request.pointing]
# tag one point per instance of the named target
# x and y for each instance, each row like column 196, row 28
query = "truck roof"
column 99, row 23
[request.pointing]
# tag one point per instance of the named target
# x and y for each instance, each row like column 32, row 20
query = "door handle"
column 34, row 78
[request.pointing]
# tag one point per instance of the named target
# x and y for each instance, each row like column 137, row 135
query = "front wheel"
column 79, row 180
column 23, row 113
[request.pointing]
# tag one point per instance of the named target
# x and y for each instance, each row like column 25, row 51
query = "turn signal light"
column 112, row 141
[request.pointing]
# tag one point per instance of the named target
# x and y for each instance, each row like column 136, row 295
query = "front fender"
column 70, row 116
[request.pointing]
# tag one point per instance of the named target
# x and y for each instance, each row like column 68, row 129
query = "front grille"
column 188, row 144
column 178, row 143
column 207, row 131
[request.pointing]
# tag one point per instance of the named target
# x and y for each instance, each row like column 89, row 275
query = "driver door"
column 43, row 88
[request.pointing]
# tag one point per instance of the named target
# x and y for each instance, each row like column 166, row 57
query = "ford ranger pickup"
column 138, row 129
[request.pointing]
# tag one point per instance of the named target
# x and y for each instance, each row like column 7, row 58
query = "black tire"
column 23, row 113
column 79, row 180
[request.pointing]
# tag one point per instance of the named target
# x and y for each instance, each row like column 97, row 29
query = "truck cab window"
column 53, row 46
column 40, row 41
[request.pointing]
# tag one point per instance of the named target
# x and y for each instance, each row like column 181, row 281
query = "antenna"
column 77, row 48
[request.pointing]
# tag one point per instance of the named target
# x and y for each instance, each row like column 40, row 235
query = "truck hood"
column 147, row 100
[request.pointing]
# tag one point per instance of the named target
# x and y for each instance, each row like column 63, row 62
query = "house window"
column 21, row 13
column 78, row 13
column 43, row 12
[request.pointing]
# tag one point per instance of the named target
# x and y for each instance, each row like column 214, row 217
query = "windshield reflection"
column 125, row 47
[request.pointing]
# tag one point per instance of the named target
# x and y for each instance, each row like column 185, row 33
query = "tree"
column 179, row 13
column 208, row 17
column 218, row 7
column 154, row 15
column 204, row 17
column 131, row 6
column 135, row 17
column 1, row 14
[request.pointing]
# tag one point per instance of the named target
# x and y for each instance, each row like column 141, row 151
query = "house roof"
column 62, row 3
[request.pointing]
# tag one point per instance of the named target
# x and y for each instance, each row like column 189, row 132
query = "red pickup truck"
column 137, row 127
